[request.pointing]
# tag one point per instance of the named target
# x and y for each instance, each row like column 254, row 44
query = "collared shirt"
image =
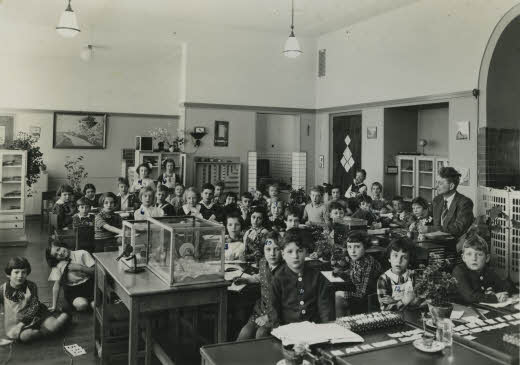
column 102, row 218
column 142, row 212
column 449, row 200
column 390, row 285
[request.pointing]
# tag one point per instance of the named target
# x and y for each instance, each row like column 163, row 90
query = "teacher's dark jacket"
column 459, row 217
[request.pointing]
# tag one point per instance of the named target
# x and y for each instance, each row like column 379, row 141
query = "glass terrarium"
column 135, row 234
column 185, row 250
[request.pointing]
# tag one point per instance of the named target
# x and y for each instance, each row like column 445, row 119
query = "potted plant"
column 75, row 173
column 294, row 354
column 35, row 165
column 435, row 285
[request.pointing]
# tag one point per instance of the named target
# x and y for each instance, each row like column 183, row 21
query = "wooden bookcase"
column 212, row 170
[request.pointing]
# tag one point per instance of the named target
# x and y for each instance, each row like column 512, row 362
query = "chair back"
column 84, row 237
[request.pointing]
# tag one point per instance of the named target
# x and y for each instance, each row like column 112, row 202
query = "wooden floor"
column 50, row 351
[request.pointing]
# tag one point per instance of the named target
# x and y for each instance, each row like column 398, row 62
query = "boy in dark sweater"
column 477, row 282
column 299, row 292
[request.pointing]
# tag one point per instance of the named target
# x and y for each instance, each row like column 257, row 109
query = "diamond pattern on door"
column 346, row 160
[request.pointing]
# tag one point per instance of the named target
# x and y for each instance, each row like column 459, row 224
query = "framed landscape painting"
column 79, row 130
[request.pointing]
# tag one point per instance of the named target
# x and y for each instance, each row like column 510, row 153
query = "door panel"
column 346, row 149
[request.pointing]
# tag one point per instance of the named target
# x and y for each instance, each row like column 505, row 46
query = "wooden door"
column 346, row 149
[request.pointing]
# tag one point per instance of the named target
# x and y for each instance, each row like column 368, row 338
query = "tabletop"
column 252, row 352
column 144, row 283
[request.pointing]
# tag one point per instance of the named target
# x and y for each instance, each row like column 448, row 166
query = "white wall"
column 277, row 133
column 372, row 150
column 429, row 47
column 433, row 126
column 248, row 68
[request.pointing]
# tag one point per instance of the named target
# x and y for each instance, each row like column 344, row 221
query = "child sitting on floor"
column 260, row 322
column 395, row 286
column 25, row 317
column 142, row 178
column 147, row 208
column 420, row 218
column 364, row 211
column 208, row 209
column 476, row 281
column 315, row 211
column 107, row 224
column 357, row 269
column 73, row 271
column 125, row 200
column 299, row 291
column 64, row 207
column 168, row 177
column 82, row 217
column 253, row 238
column 160, row 196
column 89, row 193
column 177, row 199
column 191, row 196
column 275, row 221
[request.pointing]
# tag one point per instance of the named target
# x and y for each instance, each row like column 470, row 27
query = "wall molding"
column 143, row 115
column 356, row 108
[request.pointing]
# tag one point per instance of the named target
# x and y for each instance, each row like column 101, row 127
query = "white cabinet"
column 13, row 168
column 156, row 161
column 417, row 176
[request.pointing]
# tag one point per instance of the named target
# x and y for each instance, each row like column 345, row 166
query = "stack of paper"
column 502, row 304
column 312, row 333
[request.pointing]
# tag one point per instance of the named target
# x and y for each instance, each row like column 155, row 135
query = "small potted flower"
column 294, row 355
column 435, row 285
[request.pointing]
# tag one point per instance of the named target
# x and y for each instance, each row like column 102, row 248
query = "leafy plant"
column 435, row 283
column 75, row 172
column 27, row 142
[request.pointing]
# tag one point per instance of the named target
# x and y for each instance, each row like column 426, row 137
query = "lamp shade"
column 292, row 47
column 68, row 25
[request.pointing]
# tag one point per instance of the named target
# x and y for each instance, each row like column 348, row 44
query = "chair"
column 48, row 198
column 66, row 236
column 84, row 238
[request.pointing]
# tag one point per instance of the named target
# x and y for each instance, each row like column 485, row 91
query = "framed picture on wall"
column 79, row 130
column 221, row 133
column 462, row 130
column 371, row 132
column 6, row 129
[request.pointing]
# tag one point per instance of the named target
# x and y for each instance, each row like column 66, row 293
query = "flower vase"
column 171, row 149
column 290, row 356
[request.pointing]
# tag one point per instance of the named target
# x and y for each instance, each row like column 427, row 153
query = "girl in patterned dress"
column 260, row 322
column 168, row 177
column 253, row 238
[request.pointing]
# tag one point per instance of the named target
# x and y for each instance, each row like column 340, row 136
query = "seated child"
column 476, row 281
column 335, row 197
column 253, row 238
column 191, row 196
column 177, row 199
column 25, row 317
column 64, row 207
column 107, row 224
column 258, row 199
column 395, row 286
column 230, row 206
column 401, row 217
column 219, row 198
column 234, row 243
column 260, row 322
column 336, row 212
column 125, row 200
column 142, row 178
column 168, row 177
column 275, row 221
column 160, row 196
column 208, row 209
column 147, row 208
column 357, row 269
column 82, row 217
column 292, row 218
column 89, row 193
column 73, row 271
column 364, row 211
column 273, row 192
column 299, row 291
column 420, row 219
column 246, row 200
column 378, row 202
column 358, row 185
column 315, row 211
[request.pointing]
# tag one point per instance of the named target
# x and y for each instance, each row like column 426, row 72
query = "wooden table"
column 143, row 294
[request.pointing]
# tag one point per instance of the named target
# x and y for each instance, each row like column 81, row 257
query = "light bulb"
column 68, row 24
column 292, row 47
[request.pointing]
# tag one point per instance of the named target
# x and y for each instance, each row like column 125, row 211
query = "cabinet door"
column 425, row 177
column 12, row 183
column 406, row 177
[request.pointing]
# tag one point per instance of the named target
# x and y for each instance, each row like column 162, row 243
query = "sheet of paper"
column 502, row 304
column 384, row 343
column 352, row 349
column 469, row 337
column 313, row 333
column 456, row 314
column 333, row 279
column 337, row 353
column 366, row 347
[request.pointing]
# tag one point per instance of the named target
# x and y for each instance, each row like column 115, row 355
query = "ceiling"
column 312, row 17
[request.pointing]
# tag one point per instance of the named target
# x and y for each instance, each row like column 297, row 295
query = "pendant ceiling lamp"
column 68, row 25
column 292, row 46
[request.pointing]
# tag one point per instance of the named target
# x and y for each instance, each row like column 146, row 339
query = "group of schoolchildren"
column 259, row 229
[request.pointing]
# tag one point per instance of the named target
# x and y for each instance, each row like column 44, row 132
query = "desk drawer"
column 11, row 217
column 4, row 225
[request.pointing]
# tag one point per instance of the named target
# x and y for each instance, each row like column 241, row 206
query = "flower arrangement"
column 435, row 284
column 162, row 135
column 75, row 172
column 413, row 229
column 27, row 142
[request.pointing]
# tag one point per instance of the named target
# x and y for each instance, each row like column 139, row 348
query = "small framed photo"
column 75, row 130
column 221, row 133
column 391, row 170
column 200, row 130
column 462, row 131
column 371, row 132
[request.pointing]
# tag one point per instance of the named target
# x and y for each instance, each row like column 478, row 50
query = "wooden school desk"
column 143, row 294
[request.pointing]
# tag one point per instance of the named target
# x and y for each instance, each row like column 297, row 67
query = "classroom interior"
column 398, row 88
